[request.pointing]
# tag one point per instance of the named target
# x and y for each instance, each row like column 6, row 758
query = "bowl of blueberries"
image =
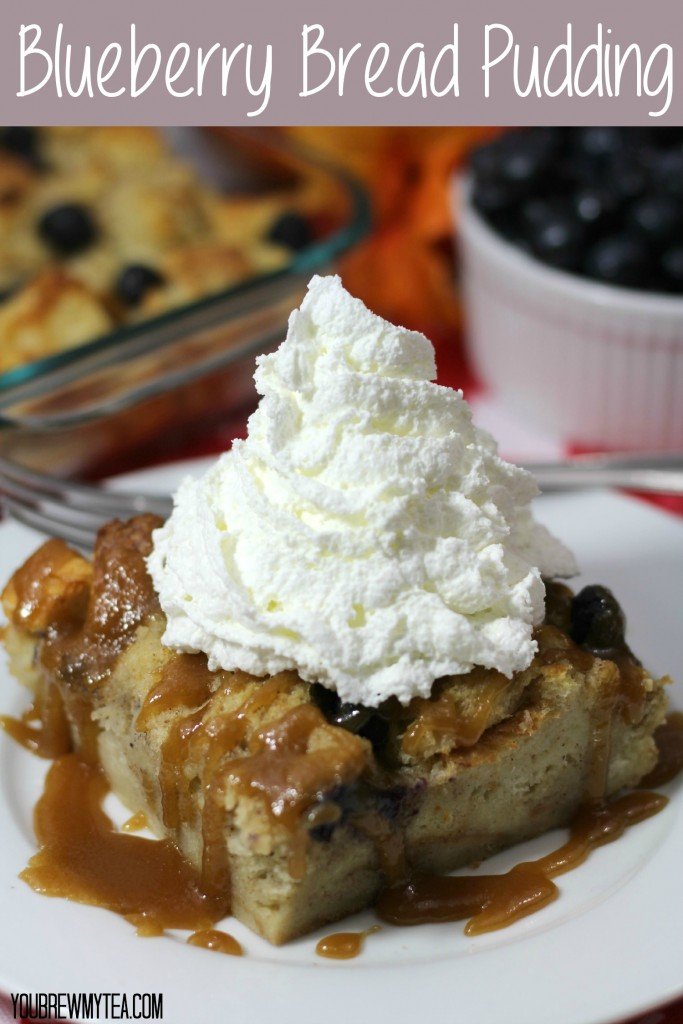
column 571, row 243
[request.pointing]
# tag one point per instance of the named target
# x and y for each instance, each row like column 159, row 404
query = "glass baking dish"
column 67, row 413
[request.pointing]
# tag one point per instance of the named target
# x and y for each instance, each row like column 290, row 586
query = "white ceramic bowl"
column 598, row 365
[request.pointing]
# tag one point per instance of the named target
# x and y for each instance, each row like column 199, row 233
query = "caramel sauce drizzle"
column 629, row 693
column 84, row 616
column 219, row 942
column 219, row 736
column 389, row 846
column 603, row 718
column 496, row 901
column 625, row 694
column 82, row 857
column 344, row 945
column 185, row 682
column 280, row 770
column 172, row 781
column 50, row 590
column 440, row 716
column 272, row 764
column 554, row 645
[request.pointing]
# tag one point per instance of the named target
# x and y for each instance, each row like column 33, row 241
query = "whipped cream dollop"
column 366, row 533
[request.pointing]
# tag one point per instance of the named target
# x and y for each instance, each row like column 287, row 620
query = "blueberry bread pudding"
column 106, row 226
column 346, row 658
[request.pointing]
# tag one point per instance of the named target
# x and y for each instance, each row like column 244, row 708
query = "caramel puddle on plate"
column 344, row 945
column 496, row 901
column 82, row 857
column 220, row 942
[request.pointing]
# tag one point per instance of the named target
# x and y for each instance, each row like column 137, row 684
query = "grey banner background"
column 204, row 22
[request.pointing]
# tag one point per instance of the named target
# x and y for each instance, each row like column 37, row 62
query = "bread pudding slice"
column 300, row 807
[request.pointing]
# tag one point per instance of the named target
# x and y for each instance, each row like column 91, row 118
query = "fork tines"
column 66, row 509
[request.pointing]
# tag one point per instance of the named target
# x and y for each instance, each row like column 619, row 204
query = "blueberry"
column 390, row 801
column 323, row 833
column 349, row 716
column 600, row 141
column 507, row 224
column 594, row 205
column 346, row 797
column 627, row 178
column 326, row 700
column 538, row 211
column 485, row 161
column 523, row 159
column 387, row 802
column 553, row 141
column 578, row 169
column 67, row 229
column 292, row 230
column 657, row 218
column 642, row 138
column 667, row 173
column 672, row 267
column 558, row 241
column 597, row 620
column 521, row 166
column 371, row 723
column 134, row 282
column 377, row 730
column 619, row 259
column 354, row 717
column 667, row 136
column 527, row 158
column 21, row 142
column 491, row 198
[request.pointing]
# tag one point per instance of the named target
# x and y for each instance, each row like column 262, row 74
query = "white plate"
column 609, row 947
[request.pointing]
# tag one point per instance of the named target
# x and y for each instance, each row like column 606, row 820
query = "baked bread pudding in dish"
column 106, row 226
column 342, row 665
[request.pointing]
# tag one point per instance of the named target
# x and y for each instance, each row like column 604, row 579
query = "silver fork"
column 67, row 509
column 75, row 511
